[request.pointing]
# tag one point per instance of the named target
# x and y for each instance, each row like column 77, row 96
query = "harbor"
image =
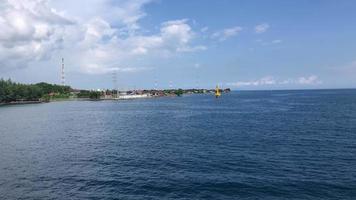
column 17, row 93
column 142, row 94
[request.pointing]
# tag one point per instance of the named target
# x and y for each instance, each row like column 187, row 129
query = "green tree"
column 179, row 92
column 94, row 95
column 11, row 91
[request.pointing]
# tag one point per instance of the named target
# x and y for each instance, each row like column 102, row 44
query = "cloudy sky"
column 240, row 44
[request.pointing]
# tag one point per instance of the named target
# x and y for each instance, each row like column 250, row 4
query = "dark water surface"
column 246, row 145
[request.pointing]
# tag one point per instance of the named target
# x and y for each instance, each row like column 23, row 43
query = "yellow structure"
column 217, row 92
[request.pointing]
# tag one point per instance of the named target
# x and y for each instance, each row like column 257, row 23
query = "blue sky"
column 200, row 43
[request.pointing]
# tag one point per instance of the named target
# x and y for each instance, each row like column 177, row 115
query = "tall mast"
column 114, row 79
column 156, row 84
column 62, row 74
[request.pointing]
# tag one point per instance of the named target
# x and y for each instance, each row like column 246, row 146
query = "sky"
column 241, row 44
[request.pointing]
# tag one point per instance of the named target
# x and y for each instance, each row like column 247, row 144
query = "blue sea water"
column 245, row 145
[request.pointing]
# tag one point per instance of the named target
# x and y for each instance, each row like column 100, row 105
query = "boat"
column 217, row 92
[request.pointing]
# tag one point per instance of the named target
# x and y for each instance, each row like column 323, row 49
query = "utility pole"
column 156, row 84
column 63, row 81
column 114, row 80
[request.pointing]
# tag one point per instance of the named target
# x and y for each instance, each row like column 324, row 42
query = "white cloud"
column 266, row 43
column 123, row 13
column 311, row 80
column 269, row 80
column 261, row 28
column 30, row 30
column 227, row 33
column 177, row 32
column 130, row 69
column 106, row 50
column 129, row 12
column 191, row 49
column 273, row 42
column 99, row 40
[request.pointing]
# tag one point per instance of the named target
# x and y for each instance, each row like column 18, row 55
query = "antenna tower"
column 63, row 81
column 156, row 84
column 114, row 80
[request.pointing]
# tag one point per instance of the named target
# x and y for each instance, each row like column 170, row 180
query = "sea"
column 297, row 144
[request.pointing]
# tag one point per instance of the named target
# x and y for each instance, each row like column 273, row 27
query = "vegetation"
column 179, row 92
column 12, row 92
column 94, row 95
column 89, row 94
column 52, row 88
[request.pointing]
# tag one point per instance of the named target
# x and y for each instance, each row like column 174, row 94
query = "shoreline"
column 21, row 103
column 67, row 99
column 128, row 98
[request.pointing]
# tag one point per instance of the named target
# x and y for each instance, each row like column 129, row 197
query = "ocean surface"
column 245, row 145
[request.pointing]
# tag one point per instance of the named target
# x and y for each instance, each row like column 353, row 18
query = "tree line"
column 89, row 94
column 11, row 91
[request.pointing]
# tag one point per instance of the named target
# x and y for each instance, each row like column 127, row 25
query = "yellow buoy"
column 217, row 92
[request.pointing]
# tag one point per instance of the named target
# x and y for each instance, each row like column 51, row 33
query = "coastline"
column 21, row 103
column 65, row 99
column 121, row 98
